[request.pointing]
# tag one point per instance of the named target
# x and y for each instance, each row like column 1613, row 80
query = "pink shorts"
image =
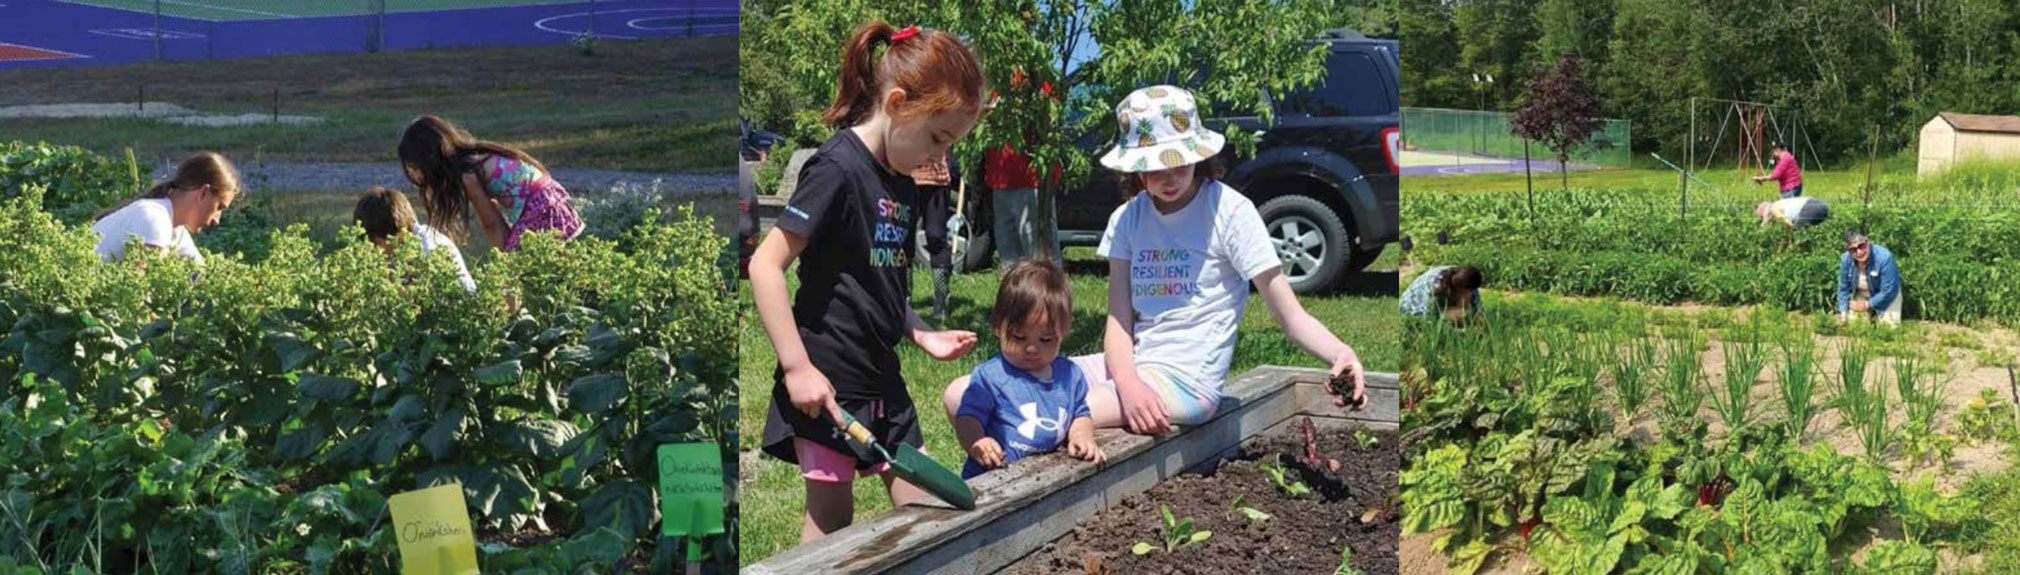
column 818, row 463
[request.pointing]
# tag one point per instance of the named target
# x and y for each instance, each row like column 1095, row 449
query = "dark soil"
column 1304, row 535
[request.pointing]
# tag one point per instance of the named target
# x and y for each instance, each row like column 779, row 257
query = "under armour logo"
column 1033, row 423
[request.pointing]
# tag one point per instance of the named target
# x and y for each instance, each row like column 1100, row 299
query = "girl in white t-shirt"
column 1181, row 255
column 203, row 187
column 385, row 214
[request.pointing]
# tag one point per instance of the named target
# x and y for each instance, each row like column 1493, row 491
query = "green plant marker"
column 690, row 495
column 690, row 490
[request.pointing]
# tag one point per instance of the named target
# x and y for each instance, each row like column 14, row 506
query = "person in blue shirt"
column 1869, row 283
column 1452, row 292
column 1027, row 400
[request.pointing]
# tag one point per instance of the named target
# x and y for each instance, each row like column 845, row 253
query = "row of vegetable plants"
column 1934, row 289
column 253, row 415
column 1613, row 450
column 1652, row 222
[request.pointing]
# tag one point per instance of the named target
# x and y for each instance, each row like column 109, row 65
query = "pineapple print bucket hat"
column 1159, row 128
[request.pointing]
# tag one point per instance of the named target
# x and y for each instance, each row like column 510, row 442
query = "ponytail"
column 202, row 169
column 936, row 71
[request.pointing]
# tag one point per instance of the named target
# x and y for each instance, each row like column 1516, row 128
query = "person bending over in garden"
column 849, row 224
column 1786, row 172
column 1027, row 400
column 1796, row 213
column 1181, row 255
column 510, row 192
column 1451, row 292
column 165, row 216
column 1869, row 284
column 385, row 215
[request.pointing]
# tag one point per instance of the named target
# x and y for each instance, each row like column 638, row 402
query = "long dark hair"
column 1459, row 281
column 202, row 169
column 443, row 153
column 936, row 71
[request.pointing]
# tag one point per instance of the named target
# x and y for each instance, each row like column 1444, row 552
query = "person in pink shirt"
column 1786, row 171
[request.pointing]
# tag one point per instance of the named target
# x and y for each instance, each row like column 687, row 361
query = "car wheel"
column 1310, row 238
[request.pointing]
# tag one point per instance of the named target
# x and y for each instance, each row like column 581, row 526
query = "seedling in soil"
column 1311, row 456
column 1385, row 510
column 1347, row 562
column 1366, row 440
column 1177, row 534
column 1277, row 475
column 1251, row 513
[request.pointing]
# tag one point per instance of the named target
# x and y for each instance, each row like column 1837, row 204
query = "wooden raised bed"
column 1022, row 508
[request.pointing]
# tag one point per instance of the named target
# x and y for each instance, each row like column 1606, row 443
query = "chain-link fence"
column 1487, row 134
column 117, row 31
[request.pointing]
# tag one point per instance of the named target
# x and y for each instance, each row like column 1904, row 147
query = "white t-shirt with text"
column 1189, row 273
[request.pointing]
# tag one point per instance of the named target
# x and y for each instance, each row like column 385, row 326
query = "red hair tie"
column 904, row 34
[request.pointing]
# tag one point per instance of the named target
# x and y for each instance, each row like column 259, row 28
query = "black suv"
column 1323, row 175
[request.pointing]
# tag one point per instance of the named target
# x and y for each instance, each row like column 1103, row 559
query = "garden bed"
column 1029, row 506
column 1352, row 507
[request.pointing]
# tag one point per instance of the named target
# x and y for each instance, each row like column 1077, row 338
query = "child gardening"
column 165, row 216
column 510, row 192
column 385, row 215
column 1181, row 254
column 849, row 225
column 1027, row 400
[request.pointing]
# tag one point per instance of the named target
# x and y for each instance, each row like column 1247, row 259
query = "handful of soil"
column 1343, row 386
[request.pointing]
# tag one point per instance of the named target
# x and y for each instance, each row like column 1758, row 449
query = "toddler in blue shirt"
column 1027, row 400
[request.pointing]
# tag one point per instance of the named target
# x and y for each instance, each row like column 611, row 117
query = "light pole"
column 1481, row 83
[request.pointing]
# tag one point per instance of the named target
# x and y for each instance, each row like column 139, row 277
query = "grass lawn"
column 771, row 491
column 647, row 105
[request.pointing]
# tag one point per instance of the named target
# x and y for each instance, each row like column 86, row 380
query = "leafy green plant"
column 1176, row 534
column 1987, row 417
column 251, row 417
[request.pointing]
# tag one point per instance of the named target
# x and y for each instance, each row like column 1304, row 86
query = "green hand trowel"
column 915, row 467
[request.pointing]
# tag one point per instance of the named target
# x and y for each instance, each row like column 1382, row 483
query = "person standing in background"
column 1014, row 187
column 936, row 179
column 1787, row 172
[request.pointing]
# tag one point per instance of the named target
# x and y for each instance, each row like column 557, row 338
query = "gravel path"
column 320, row 176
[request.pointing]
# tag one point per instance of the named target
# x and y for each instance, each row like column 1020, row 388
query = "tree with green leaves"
column 1231, row 53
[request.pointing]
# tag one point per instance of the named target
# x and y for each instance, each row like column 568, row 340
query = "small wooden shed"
column 1951, row 137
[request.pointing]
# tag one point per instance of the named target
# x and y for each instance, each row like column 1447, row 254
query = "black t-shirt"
column 855, row 284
